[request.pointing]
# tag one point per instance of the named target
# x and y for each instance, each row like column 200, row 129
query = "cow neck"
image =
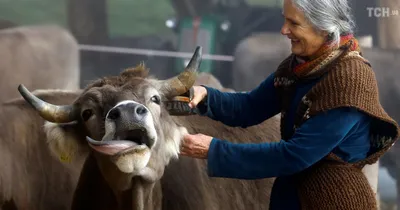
column 141, row 196
column 144, row 195
column 130, row 192
column 92, row 191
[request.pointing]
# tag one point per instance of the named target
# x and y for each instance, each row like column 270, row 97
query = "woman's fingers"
column 199, row 92
column 195, row 145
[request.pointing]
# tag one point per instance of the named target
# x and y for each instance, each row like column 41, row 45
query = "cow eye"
column 156, row 99
column 87, row 114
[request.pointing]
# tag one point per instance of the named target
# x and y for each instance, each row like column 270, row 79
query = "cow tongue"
column 110, row 147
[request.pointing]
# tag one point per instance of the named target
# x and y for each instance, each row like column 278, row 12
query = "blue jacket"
column 345, row 131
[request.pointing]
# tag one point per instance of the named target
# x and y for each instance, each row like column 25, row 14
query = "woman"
column 332, row 123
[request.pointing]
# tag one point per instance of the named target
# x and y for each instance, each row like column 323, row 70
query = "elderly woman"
column 332, row 123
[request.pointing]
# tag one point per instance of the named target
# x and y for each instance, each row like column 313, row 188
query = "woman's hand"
column 199, row 93
column 196, row 146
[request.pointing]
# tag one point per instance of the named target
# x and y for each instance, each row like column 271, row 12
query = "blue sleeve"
column 316, row 138
column 243, row 109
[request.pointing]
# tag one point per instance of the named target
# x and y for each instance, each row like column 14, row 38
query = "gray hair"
column 331, row 16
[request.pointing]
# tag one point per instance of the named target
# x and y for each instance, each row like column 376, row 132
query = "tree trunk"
column 87, row 20
column 388, row 24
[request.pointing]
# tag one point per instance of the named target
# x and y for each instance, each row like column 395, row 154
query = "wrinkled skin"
column 132, row 140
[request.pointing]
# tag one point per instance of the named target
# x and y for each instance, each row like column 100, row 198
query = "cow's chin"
column 132, row 161
column 130, row 151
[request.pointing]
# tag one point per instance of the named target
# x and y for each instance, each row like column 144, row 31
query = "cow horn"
column 184, row 81
column 50, row 112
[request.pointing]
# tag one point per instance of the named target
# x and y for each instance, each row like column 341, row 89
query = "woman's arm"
column 243, row 109
column 316, row 138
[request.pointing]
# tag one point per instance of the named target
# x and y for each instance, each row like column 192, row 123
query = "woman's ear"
column 327, row 35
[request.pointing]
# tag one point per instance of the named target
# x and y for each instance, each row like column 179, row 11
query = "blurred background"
column 240, row 38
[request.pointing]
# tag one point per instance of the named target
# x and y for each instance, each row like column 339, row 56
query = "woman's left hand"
column 196, row 146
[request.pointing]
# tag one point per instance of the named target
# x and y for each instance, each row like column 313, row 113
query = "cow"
column 53, row 193
column 6, row 24
column 30, row 178
column 256, row 57
column 210, row 80
column 385, row 64
column 122, row 125
column 42, row 57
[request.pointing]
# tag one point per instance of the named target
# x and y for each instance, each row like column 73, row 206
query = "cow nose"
column 114, row 113
column 140, row 110
column 134, row 111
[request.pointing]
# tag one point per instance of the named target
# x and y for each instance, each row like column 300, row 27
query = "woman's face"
column 304, row 38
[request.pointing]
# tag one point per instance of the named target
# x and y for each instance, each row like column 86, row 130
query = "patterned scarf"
column 327, row 53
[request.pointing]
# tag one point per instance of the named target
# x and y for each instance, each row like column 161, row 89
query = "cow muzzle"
column 129, row 127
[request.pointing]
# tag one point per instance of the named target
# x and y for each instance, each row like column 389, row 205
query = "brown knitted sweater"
column 347, row 81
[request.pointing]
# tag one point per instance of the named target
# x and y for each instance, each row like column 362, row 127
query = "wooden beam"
column 191, row 8
column 388, row 15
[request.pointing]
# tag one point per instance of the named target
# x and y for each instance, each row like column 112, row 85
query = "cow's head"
column 121, row 119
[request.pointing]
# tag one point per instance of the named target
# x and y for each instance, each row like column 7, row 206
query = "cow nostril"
column 114, row 114
column 141, row 110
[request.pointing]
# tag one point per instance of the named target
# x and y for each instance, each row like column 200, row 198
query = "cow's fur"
column 256, row 57
column 29, row 177
column 173, row 183
column 386, row 67
column 208, row 79
column 41, row 57
column 6, row 24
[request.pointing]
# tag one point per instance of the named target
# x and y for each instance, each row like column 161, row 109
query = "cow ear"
column 66, row 141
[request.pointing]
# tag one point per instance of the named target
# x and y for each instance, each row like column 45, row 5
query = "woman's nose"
column 285, row 30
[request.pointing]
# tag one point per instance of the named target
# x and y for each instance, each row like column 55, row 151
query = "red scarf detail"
column 324, row 52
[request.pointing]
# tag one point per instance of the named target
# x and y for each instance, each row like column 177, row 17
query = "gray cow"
column 41, row 57
column 132, row 143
